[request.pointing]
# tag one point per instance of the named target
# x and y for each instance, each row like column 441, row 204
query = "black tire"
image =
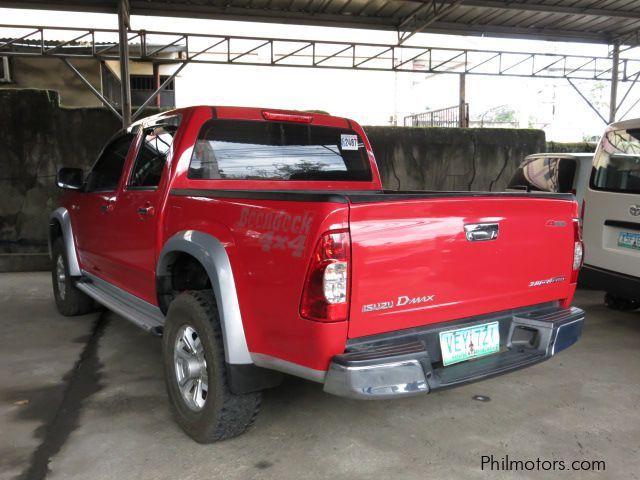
column 69, row 300
column 622, row 304
column 224, row 414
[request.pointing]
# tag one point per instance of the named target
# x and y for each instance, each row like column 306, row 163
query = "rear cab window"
column 616, row 167
column 544, row 174
column 257, row 150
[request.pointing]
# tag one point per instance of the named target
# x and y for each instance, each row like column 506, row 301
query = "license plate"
column 629, row 240
column 469, row 342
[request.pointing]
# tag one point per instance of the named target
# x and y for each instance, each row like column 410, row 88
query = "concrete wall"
column 51, row 74
column 38, row 137
column 412, row 158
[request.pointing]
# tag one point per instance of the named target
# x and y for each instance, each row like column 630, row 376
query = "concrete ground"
column 84, row 398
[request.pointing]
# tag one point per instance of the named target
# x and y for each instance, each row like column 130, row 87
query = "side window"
column 105, row 175
column 152, row 156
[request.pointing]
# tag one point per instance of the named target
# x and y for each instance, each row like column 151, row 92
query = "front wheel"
column 69, row 300
column 195, row 372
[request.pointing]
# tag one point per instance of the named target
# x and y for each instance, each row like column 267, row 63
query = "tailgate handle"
column 478, row 232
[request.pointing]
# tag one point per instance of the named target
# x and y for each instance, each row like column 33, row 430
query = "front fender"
column 62, row 217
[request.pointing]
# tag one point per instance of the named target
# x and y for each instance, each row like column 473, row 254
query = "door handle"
column 146, row 211
column 106, row 207
column 478, row 232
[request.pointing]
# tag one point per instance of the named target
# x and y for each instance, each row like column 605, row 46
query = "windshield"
column 617, row 163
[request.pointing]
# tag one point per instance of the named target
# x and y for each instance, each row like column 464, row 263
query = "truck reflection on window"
column 254, row 150
column 545, row 174
column 617, row 162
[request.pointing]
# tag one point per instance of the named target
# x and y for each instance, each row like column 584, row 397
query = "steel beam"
column 613, row 99
column 597, row 112
column 125, row 81
column 157, row 92
column 304, row 53
column 437, row 13
column 104, row 101
column 462, row 103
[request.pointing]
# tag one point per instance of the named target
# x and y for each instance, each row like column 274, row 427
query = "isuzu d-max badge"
column 400, row 302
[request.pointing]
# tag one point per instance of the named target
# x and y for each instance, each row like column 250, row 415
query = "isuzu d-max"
column 260, row 243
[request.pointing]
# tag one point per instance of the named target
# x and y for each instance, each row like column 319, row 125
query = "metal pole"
column 462, row 111
column 125, row 83
column 156, row 81
column 613, row 101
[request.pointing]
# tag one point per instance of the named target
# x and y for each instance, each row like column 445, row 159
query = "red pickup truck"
column 260, row 242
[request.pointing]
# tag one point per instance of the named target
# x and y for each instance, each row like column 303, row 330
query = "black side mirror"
column 70, row 178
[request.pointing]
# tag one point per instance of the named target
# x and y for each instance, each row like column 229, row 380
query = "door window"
column 105, row 175
column 152, row 157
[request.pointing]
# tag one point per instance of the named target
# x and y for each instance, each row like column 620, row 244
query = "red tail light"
column 325, row 297
column 287, row 117
column 578, row 250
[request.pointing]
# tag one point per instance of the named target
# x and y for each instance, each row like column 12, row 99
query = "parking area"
column 84, row 397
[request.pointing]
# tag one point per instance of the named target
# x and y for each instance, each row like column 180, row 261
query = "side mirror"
column 70, row 178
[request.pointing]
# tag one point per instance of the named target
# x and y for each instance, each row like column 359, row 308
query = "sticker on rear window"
column 348, row 142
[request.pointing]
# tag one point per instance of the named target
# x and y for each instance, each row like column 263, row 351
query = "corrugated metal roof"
column 600, row 21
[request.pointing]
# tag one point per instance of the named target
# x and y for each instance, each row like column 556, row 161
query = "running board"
column 141, row 313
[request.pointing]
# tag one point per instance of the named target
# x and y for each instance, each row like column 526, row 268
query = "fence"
column 445, row 117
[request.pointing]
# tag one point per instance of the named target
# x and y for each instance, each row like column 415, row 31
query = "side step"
column 141, row 313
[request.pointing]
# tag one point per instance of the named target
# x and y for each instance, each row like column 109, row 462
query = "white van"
column 553, row 172
column 611, row 218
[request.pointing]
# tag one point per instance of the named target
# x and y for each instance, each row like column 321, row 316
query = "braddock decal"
column 279, row 230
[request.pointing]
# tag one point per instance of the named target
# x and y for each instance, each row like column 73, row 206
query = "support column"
column 125, row 83
column 462, row 105
column 156, row 82
column 613, row 100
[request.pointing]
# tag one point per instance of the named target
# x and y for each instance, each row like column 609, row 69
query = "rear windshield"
column 544, row 174
column 256, row 150
column 617, row 163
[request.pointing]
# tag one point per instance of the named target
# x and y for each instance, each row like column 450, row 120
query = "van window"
column 256, row 150
column 617, row 163
column 544, row 174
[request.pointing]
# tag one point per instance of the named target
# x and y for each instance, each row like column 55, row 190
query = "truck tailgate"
column 412, row 263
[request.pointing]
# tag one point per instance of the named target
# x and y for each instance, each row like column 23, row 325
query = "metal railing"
column 444, row 117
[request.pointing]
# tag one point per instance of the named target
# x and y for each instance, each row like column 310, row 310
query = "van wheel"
column 622, row 304
column 195, row 372
column 69, row 300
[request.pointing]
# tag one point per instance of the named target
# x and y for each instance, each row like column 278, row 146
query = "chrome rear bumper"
column 409, row 363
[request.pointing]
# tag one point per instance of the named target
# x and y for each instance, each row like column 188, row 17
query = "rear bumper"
column 409, row 363
column 615, row 283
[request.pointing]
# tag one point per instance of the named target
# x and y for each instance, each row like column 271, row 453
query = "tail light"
column 578, row 250
column 325, row 297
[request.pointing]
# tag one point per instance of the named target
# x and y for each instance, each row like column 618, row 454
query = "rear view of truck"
column 453, row 287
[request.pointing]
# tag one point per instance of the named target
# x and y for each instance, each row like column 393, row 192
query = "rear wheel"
column 69, row 300
column 195, row 372
column 615, row 302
